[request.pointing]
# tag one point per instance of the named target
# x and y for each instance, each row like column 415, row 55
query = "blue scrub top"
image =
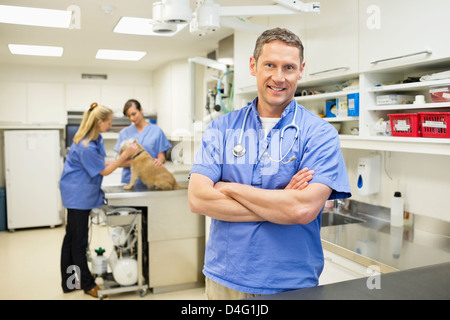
column 264, row 257
column 152, row 139
column 81, row 181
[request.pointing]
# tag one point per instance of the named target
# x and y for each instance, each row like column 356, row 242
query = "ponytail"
column 89, row 129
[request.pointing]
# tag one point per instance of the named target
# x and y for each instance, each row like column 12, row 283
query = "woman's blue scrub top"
column 81, row 181
column 152, row 139
column 264, row 257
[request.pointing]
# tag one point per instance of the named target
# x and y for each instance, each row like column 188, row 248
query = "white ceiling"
column 81, row 45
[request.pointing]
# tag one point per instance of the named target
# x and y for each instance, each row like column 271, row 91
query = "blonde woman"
column 80, row 187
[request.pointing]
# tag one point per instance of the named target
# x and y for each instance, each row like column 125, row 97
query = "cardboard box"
column 353, row 104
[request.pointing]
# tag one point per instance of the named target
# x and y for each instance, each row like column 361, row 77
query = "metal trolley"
column 131, row 220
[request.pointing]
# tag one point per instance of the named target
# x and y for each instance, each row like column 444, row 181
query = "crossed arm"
column 298, row 203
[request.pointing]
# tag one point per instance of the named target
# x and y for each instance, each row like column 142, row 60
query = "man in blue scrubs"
column 265, row 226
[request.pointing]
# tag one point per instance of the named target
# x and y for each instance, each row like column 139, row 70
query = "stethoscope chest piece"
column 238, row 150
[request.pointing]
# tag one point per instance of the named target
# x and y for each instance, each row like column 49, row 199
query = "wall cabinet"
column 32, row 104
column 394, row 33
column 46, row 103
column 13, row 103
column 331, row 46
column 172, row 98
column 337, row 269
column 80, row 96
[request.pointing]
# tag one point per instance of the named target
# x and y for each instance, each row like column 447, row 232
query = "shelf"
column 21, row 126
column 247, row 90
column 325, row 95
column 397, row 144
column 110, row 135
column 410, row 106
column 410, row 86
column 341, row 119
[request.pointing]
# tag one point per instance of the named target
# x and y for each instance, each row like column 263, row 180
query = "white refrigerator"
column 33, row 166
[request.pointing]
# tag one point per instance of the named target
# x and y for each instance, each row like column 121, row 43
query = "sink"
column 335, row 219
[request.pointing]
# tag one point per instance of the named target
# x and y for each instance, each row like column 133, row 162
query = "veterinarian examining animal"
column 143, row 167
column 265, row 204
column 80, row 187
column 149, row 135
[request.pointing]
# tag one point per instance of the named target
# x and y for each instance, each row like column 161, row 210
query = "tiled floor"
column 29, row 267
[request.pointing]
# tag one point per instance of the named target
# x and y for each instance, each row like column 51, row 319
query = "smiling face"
column 277, row 72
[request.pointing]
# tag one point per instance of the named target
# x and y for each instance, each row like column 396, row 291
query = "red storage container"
column 405, row 124
column 435, row 124
column 440, row 94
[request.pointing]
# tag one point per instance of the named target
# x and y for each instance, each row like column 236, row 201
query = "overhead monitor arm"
column 284, row 7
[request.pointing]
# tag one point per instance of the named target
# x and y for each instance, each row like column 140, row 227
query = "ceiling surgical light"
column 206, row 18
column 159, row 26
column 176, row 11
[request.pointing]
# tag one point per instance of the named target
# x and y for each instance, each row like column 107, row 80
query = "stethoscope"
column 239, row 149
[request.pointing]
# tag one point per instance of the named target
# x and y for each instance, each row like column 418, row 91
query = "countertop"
column 376, row 242
column 414, row 261
column 425, row 283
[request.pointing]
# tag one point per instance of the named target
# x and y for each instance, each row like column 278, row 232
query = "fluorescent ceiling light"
column 35, row 50
column 35, row 16
column 142, row 26
column 120, row 55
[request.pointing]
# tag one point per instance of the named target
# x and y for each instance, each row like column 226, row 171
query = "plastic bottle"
column 397, row 210
column 99, row 262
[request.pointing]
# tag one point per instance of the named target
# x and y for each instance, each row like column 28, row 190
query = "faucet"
column 337, row 205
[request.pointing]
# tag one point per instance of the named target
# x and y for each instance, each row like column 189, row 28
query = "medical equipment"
column 239, row 150
column 126, row 258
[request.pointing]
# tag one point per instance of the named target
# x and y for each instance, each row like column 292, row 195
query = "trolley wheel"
column 100, row 297
column 143, row 293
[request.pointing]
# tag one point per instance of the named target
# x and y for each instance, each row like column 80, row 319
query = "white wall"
column 423, row 180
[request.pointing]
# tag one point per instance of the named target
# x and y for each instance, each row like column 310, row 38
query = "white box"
column 388, row 99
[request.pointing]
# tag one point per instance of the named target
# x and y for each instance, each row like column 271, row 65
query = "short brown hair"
column 281, row 34
column 129, row 104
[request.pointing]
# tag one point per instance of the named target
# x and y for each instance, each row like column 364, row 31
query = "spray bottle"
column 99, row 262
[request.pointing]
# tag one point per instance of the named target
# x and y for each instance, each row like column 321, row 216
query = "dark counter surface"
column 424, row 283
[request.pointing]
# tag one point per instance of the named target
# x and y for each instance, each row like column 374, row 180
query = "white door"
column 32, row 164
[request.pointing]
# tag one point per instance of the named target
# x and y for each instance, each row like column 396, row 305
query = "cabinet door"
column 162, row 98
column 395, row 33
column 142, row 94
column 338, row 268
column 181, row 99
column 80, row 96
column 13, row 102
column 331, row 47
column 115, row 96
column 46, row 103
